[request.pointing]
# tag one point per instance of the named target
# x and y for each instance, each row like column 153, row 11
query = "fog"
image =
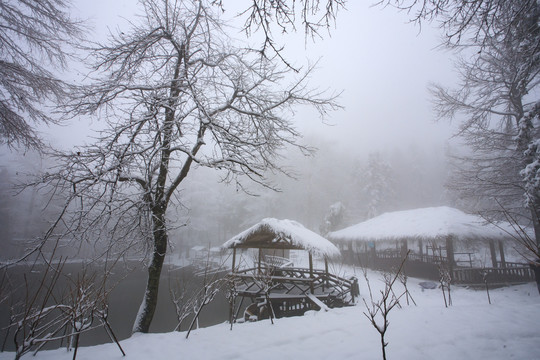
column 381, row 64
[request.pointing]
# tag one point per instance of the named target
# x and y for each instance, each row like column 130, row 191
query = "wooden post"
column 326, row 269
column 493, row 253
column 311, row 272
column 450, row 254
column 421, row 250
column 260, row 256
column 233, row 259
column 404, row 248
column 373, row 255
column 231, row 311
column 501, row 252
column 326, row 265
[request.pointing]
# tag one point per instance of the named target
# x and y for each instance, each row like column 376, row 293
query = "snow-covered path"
column 470, row 329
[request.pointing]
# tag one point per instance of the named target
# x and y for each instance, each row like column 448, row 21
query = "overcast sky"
column 382, row 63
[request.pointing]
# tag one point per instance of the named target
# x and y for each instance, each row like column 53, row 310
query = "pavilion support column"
column 421, row 250
column 403, row 251
column 501, row 252
column 260, row 256
column 326, row 269
column 450, row 254
column 373, row 254
column 311, row 272
column 350, row 253
column 233, row 259
column 493, row 253
column 404, row 248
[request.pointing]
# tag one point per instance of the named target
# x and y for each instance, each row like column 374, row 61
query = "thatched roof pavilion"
column 272, row 233
column 436, row 227
column 291, row 290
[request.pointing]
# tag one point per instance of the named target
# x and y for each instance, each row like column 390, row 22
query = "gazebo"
column 274, row 282
column 432, row 236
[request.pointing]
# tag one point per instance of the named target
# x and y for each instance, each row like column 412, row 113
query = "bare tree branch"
column 33, row 37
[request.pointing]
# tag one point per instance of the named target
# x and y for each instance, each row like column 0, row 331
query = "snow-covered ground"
column 470, row 329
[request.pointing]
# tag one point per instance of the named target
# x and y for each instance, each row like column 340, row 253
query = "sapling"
column 204, row 297
column 403, row 279
column 232, row 293
column 182, row 300
column 378, row 310
column 485, row 274
column 212, row 283
column 445, row 278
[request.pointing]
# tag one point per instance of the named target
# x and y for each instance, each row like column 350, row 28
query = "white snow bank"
column 426, row 223
column 470, row 329
column 272, row 230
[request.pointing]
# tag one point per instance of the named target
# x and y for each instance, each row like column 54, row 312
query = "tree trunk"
column 493, row 253
column 450, row 254
column 501, row 252
column 149, row 303
column 536, row 225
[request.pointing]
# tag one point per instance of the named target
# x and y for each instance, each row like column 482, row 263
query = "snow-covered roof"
column 426, row 223
column 282, row 234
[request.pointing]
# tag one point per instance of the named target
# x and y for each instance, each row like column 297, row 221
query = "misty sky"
column 382, row 64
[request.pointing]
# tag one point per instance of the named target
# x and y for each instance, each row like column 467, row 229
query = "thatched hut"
column 274, row 237
column 431, row 236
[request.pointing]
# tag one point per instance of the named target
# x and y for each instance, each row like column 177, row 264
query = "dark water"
column 124, row 300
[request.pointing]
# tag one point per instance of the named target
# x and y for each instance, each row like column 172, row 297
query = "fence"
column 427, row 266
column 508, row 275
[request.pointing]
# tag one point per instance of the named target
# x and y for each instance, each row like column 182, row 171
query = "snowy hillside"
column 470, row 329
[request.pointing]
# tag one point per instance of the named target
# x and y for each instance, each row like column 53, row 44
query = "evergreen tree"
column 378, row 186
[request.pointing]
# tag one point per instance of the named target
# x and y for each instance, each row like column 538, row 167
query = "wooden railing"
column 510, row 274
column 510, row 264
column 293, row 281
column 423, row 265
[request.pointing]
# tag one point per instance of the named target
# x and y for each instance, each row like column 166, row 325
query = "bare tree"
column 33, row 38
column 495, row 97
column 175, row 94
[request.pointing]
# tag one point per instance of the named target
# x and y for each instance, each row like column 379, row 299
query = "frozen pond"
column 124, row 301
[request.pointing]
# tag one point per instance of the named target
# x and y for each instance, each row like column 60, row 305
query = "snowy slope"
column 470, row 329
